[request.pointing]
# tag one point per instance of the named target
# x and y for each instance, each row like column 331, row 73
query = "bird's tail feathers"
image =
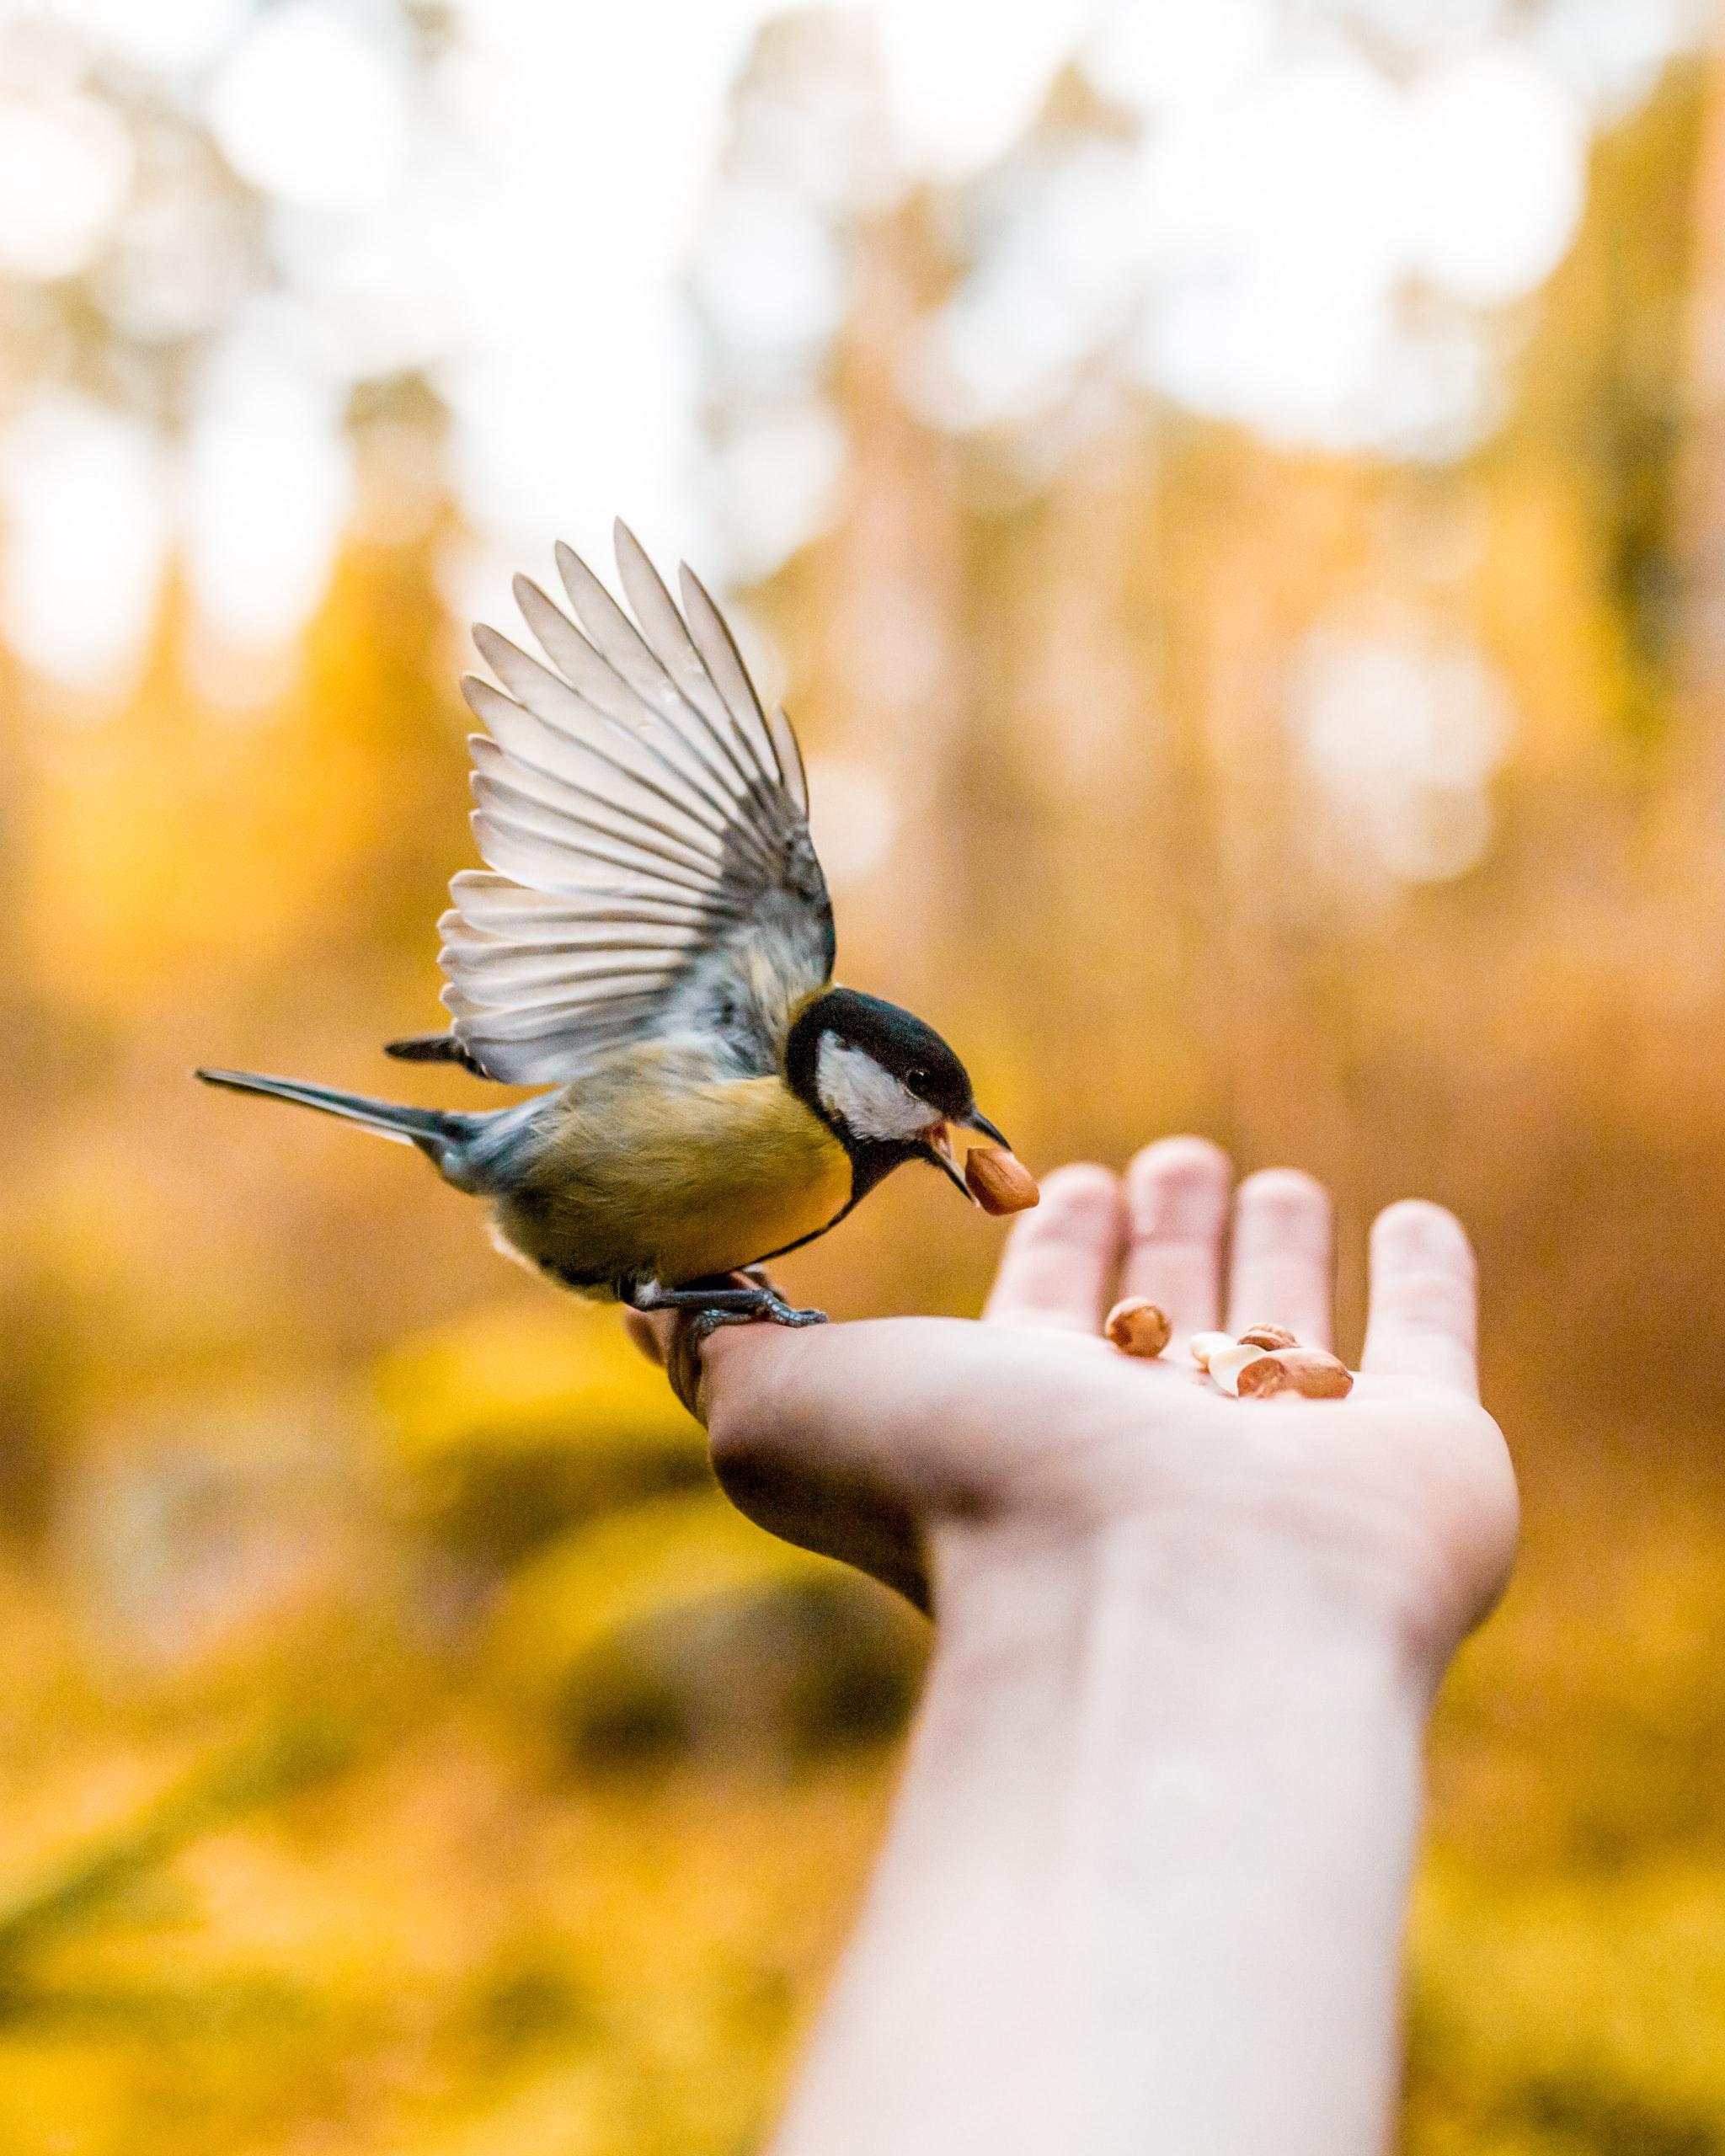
column 432, row 1048
column 436, row 1131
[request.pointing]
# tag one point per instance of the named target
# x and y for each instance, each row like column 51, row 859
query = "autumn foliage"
column 405, row 1747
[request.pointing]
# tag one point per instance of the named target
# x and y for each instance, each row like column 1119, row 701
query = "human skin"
column 1145, row 1881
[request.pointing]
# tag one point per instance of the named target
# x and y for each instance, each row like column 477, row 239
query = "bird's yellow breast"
column 643, row 1178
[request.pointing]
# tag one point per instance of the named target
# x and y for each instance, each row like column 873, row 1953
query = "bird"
column 651, row 939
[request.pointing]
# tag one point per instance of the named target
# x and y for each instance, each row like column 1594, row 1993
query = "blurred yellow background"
column 1234, row 497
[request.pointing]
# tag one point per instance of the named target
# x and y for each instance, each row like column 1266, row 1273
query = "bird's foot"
column 698, row 1326
column 701, row 1308
column 745, row 1298
column 777, row 1311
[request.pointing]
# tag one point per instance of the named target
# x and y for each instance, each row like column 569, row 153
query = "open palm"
column 896, row 1444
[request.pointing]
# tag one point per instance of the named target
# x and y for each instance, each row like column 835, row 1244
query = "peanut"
column 1203, row 1345
column 1138, row 1326
column 999, row 1181
column 1228, row 1365
column 1268, row 1336
column 1305, row 1373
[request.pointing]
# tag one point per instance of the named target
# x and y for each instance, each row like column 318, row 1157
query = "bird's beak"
column 944, row 1155
column 976, row 1120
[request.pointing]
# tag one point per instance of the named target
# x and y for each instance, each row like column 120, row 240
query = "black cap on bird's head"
column 884, row 1081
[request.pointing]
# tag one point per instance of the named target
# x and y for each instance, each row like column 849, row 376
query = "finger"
column 1281, row 1272
column 1059, row 1262
column 664, row 1337
column 1177, row 1207
column 1423, row 1320
column 804, row 1439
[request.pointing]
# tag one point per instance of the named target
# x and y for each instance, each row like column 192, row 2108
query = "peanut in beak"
column 992, row 1176
column 999, row 1181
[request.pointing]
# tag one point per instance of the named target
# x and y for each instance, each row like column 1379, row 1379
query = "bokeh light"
column 1404, row 731
column 310, row 108
column 65, row 167
column 1291, row 232
column 86, row 538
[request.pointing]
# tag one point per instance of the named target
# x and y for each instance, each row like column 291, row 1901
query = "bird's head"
column 886, row 1084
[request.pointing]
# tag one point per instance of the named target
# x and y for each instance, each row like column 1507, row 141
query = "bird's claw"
column 776, row 1310
column 783, row 1312
column 695, row 1327
column 772, row 1309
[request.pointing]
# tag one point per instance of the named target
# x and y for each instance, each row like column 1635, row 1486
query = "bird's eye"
column 916, row 1079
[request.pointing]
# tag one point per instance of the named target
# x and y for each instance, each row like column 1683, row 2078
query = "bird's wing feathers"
column 644, row 824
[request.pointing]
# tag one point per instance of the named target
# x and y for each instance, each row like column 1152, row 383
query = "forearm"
column 1144, row 1884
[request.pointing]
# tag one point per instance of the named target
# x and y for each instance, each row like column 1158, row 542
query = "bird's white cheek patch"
column 869, row 1101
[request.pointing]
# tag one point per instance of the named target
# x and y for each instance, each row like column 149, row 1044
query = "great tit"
column 654, row 941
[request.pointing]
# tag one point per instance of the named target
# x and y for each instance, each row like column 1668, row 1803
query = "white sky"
column 529, row 235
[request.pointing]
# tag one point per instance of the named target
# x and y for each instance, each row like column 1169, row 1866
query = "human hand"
column 914, row 1448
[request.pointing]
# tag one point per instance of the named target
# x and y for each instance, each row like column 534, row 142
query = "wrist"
column 1149, row 1861
column 1211, row 1596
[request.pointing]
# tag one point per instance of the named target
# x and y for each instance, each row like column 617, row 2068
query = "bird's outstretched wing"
column 645, row 824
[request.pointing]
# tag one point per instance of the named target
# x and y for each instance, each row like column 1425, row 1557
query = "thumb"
column 691, row 1356
column 787, row 1444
